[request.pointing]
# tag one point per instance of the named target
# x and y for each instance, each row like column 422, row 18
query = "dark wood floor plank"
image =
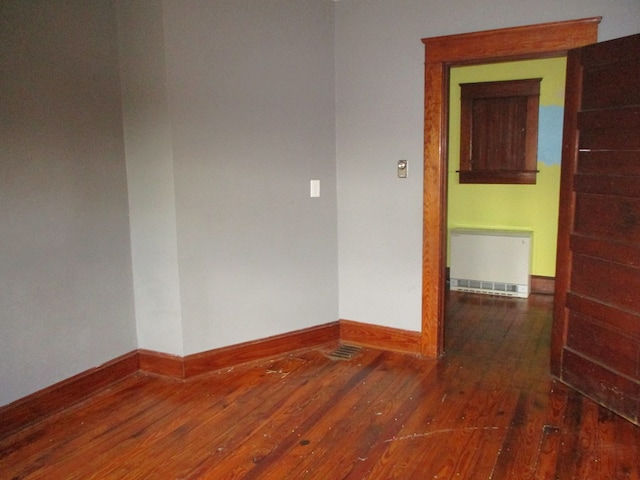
column 280, row 432
column 567, row 466
column 518, row 458
column 468, row 442
column 176, row 448
column 620, row 448
column 549, row 448
column 487, row 410
column 345, row 424
column 588, row 442
column 124, row 439
column 414, row 411
column 453, row 402
column 63, row 436
column 363, row 425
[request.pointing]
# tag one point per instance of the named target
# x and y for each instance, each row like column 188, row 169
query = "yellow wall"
column 517, row 207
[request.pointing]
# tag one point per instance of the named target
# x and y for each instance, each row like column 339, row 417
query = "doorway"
column 442, row 53
column 506, row 197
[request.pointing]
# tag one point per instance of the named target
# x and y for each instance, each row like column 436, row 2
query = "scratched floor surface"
column 488, row 409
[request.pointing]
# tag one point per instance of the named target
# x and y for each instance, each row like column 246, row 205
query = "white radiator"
column 494, row 262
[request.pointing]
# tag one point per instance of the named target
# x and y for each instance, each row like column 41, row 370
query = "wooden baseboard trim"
column 160, row 363
column 62, row 395
column 199, row 363
column 66, row 393
column 377, row 336
column 347, row 331
column 543, row 285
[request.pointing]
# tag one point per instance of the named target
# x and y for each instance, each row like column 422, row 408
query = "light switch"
column 403, row 166
column 314, row 189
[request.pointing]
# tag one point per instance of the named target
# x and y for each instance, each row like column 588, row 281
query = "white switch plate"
column 314, row 188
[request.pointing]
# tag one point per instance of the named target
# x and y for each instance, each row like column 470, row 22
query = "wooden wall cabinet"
column 499, row 131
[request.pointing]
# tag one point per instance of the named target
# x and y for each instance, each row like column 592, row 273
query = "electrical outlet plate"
column 314, row 188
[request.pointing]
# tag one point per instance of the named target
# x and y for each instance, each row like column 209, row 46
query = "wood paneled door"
column 596, row 331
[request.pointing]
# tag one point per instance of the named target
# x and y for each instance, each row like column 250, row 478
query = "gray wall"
column 149, row 153
column 379, row 119
column 229, row 113
column 65, row 269
column 252, row 113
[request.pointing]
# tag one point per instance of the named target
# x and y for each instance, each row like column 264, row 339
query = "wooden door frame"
column 441, row 53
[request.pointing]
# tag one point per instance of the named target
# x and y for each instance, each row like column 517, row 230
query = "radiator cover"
column 493, row 262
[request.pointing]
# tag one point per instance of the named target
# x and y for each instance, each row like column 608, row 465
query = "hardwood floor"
column 488, row 409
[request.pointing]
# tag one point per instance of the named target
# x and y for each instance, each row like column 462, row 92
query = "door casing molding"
column 441, row 53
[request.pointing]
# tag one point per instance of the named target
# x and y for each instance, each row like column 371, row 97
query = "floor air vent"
column 344, row 352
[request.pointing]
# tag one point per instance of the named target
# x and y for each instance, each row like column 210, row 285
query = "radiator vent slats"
column 493, row 288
